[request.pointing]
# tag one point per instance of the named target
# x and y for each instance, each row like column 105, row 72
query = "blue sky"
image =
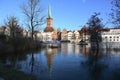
column 69, row 14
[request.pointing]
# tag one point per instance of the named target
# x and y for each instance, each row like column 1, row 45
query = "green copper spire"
column 49, row 12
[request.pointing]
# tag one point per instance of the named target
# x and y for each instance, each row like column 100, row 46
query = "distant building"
column 46, row 36
column 49, row 32
column 7, row 31
column 49, row 27
column 70, row 36
column 110, row 38
column 2, row 29
column 54, row 35
column 37, row 36
column 77, row 36
column 64, row 35
column 84, row 33
column 29, row 34
column 24, row 33
column 110, row 35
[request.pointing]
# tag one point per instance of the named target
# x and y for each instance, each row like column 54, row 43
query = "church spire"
column 49, row 12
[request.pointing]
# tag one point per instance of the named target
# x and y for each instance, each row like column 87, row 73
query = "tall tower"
column 49, row 27
column 49, row 19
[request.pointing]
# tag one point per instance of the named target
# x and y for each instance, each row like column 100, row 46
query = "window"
column 105, row 36
column 110, row 40
column 110, row 37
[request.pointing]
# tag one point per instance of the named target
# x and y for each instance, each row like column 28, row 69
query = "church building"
column 49, row 33
column 49, row 27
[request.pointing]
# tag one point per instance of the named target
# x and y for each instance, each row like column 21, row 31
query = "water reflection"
column 69, row 48
column 92, row 63
column 49, row 56
column 71, row 61
column 85, row 50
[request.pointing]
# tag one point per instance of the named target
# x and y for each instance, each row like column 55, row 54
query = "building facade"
column 110, row 38
column 112, row 35
column 49, row 26
column 49, row 32
column 70, row 35
column 64, row 35
column 76, row 36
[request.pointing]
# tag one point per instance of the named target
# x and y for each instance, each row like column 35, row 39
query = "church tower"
column 49, row 27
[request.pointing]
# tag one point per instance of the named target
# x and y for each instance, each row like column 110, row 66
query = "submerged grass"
column 8, row 73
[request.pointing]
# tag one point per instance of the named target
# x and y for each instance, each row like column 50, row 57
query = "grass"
column 8, row 73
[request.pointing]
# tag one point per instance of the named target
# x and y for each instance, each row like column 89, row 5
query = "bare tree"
column 94, row 27
column 33, row 12
column 12, row 23
column 115, row 14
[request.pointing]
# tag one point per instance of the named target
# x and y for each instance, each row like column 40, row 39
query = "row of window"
column 112, row 40
column 111, row 37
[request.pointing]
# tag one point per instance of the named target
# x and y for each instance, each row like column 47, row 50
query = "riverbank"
column 19, row 44
column 8, row 73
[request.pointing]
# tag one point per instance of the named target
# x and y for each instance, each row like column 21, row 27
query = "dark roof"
column 48, row 29
column 106, row 29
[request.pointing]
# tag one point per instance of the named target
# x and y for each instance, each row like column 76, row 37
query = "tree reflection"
column 11, row 59
column 93, row 64
column 32, row 62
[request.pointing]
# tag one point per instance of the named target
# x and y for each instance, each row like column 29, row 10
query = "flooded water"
column 70, row 62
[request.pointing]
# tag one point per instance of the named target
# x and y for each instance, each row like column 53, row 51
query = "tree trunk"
column 32, row 33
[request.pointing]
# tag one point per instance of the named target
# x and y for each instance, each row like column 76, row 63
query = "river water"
column 70, row 62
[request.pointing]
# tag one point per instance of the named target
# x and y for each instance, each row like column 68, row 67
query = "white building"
column 24, row 33
column 70, row 35
column 64, row 35
column 111, row 38
column 7, row 31
column 112, row 35
column 77, row 36
column 46, row 36
column 38, row 36
column 29, row 34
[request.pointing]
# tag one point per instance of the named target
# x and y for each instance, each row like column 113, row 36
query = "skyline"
column 67, row 14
